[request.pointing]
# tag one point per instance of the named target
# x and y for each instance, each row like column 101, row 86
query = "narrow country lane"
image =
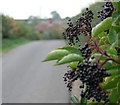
column 25, row 79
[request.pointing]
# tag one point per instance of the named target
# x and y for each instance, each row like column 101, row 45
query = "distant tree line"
column 14, row 29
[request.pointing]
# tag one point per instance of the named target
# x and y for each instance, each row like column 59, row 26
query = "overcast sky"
column 22, row 9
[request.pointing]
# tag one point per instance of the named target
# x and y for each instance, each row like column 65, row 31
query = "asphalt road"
column 25, row 79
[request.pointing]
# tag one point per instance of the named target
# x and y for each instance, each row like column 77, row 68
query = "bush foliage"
column 14, row 29
column 105, row 37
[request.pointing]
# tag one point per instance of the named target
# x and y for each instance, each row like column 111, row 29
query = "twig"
column 114, row 60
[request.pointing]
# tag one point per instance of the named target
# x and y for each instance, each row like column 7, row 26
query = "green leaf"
column 118, row 87
column 97, row 55
column 114, row 96
column 112, row 83
column 71, row 49
column 73, row 64
column 74, row 100
column 56, row 54
column 116, row 19
column 83, row 101
column 116, row 43
column 103, row 47
column 112, row 35
column 116, row 67
column 117, row 5
column 114, row 72
column 102, row 26
column 112, row 51
column 103, row 39
column 70, row 58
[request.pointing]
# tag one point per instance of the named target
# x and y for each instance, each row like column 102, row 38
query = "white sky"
column 22, row 9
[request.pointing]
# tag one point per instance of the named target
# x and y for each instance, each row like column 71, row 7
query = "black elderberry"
column 69, row 19
column 93, row 100
column 85, row 50
column 106, row 11
column 82, row 26
column 82, row 94
column 91, row 75
column 82, row 86
column 69, row 77
column 87, row 9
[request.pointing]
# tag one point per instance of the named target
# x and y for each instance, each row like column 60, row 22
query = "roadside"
column 8, row 44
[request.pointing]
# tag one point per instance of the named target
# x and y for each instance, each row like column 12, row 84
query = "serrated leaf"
column 118, row 87
column 70, row 49
column 114, row 96
column 112, row 51
column 74, row 100
column 114, row 72
column 102, row 26
column 103, row 40
column 97, row 55
column 116, row 22
column 117, row 5
column 56, row 54
column 112, row 35
column 112, row 83
column 116, row 67
column 113, row 48
column 103, row 47
column 73, row 64
column 116, row 18
column 70, row 58
column 117, row 43
column 83, row 101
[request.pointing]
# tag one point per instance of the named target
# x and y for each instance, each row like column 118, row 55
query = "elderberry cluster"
column 69, row 77
column 82, row 26
column 106, row 11
column 85, row 50
column 91, row 75
column 95, row 93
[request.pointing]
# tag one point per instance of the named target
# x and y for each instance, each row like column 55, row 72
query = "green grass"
column 8, row 44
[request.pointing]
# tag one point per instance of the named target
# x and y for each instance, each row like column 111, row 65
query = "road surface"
column 25, row 79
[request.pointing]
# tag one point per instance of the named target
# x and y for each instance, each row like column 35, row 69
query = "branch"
column 114, row 60
column 98, row 49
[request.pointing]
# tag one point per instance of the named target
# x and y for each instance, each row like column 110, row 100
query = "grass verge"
column 8, row 44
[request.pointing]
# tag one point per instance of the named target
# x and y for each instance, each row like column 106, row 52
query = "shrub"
column 94, row 60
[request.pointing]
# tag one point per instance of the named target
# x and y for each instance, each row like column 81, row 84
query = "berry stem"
column 104, row 42
column 98, row 60
column 114, row 60
column 98, row 49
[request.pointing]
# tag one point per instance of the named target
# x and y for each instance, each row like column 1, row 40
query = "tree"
column 55, row 15
column 33, row 20
column 8, row 25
